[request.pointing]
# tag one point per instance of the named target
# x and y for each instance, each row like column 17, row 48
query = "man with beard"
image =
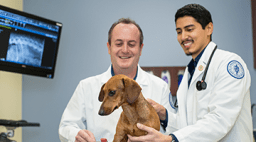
column 211, row 107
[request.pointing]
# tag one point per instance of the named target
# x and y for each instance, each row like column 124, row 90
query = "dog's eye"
column 112, row 93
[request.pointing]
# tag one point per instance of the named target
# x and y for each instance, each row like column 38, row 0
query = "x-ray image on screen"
column 25, row 49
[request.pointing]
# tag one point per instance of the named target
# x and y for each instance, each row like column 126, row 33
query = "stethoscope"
column 201, row 85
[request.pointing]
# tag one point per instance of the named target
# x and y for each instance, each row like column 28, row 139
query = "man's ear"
column 101, row 95
column 209, row 28
column 141, row 46
column 108, row 45
column 131, row 89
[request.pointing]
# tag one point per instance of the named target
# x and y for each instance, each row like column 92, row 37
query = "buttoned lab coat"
column 222, row 112
column 82, row 109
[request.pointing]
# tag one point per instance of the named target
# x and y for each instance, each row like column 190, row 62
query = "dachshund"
column 120, row 90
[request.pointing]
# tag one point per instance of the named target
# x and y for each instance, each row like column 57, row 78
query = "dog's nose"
column 101, row 112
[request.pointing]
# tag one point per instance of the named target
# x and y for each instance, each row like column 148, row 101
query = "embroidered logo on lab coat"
column 235, row 69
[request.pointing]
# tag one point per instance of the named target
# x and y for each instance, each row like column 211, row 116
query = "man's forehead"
column 122, row 30
column 122, row 40
column 123, row 26
column 186, row 21
column 184, row 27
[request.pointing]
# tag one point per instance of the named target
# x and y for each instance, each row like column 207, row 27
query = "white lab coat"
column 222, row 112
column 82, row 109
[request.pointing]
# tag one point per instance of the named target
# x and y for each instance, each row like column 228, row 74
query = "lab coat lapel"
column 141, row 78
column 192, row 97
column 107, row 75
column 192, row 91
column 181, row 97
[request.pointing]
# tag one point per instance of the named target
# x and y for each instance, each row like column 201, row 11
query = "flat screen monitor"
column 28, row 43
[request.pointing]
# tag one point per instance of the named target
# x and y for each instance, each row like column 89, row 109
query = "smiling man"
column 211, row 109
column 125, row 49
column 192, row 37
column 80, row 121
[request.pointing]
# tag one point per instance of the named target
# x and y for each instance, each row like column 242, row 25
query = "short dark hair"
column 124, row 21
column 201, row 14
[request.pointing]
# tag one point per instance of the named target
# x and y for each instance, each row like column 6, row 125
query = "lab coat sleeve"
column 224, row 106
column 73, row 117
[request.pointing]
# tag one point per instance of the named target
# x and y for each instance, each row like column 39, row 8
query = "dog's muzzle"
column 101, row 112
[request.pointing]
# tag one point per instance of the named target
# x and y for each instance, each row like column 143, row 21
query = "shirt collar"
column 113, row 74
column 193, row 63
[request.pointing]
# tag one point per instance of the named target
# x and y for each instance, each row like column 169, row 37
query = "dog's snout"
column 101, row 112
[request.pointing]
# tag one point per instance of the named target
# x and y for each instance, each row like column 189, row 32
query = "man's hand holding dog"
column 85, row 136
column 161, row 111
column 152, row 136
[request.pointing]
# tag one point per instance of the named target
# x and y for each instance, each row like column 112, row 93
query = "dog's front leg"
column 121, row 132
column 119, row 138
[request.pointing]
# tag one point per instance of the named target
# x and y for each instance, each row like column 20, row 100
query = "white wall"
column 83, row 50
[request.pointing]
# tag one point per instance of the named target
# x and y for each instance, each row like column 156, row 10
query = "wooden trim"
column 174, row 72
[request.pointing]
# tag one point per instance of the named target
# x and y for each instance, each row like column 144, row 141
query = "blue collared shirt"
column 113, row 74
column 192, row 65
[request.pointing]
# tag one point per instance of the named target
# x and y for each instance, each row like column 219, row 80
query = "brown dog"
column 123, row 91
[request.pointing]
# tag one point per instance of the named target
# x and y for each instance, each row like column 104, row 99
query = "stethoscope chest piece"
column 201, row 85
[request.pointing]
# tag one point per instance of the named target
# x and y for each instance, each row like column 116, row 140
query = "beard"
column 188, row 54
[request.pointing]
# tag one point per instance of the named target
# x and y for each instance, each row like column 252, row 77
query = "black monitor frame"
column 10, row 19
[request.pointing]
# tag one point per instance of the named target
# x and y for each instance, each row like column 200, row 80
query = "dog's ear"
column 132, row 90
column 101, row 95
